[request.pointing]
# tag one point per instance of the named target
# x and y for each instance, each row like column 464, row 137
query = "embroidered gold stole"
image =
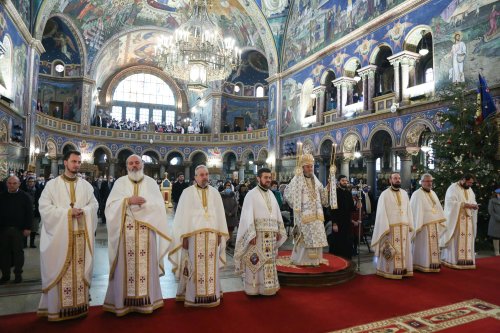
column 433, row 240
column 399, row 234
column 465, row 238
column 73, row 290
column 136, row 251
column 205, row 266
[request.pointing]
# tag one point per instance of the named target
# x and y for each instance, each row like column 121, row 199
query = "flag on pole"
column 485, row 104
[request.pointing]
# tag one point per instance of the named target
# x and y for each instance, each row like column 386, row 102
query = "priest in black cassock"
column 341, row 240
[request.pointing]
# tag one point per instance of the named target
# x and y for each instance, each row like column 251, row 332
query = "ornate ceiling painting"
column 130, row 28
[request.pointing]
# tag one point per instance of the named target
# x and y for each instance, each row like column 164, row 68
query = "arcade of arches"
column 372, row 95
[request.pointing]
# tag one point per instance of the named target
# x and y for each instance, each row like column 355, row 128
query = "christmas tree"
column 466, row 146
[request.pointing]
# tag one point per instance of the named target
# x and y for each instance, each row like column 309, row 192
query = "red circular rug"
column 329, row 264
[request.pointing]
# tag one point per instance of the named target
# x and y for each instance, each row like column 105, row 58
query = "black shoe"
column 18, row 279
column 4, row 280
column 33, row 246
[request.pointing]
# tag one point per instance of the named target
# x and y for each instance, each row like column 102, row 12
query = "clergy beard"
column 396, row 186
column 136, row 175
column 465, row 186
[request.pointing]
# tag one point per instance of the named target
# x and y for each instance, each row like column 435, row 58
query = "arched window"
column 259, row 92
column 143, row 97
column 377, row 164
column 429, row 75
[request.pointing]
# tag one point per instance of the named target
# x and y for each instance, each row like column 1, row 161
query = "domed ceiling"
column 118, row 34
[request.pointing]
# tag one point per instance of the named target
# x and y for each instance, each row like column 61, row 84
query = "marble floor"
column 24, row 297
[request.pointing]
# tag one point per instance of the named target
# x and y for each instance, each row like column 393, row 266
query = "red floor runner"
column 362, row 300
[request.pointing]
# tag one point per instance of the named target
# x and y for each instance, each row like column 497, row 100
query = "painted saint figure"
column 458, row 53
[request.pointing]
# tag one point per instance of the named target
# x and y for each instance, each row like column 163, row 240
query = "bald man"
column 16, row 218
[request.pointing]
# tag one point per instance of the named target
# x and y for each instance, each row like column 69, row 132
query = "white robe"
column 310, row 237
column 460, row 233
column 428, row 224
column 198, row 267
column 66, row 249
column 391, row 235
column 257, row 262
column 141, row 231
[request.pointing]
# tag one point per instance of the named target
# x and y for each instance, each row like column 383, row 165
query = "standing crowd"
column 408, row 233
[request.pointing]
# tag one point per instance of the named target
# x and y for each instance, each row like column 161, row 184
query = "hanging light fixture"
column 198, row 53
column 423, row 49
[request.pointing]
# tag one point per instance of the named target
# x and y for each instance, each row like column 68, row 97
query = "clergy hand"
column 278, row 237
column 335, row 228
column 185, row 243
column 253, row 241
column 26, row 232
column 471, row 206
column 76, row 212
column 136, row 200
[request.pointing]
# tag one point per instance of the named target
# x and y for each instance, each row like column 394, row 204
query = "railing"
column 352, row 108
column 329, row 116
column 384, row 102
column 69, row 127
column 424, row 89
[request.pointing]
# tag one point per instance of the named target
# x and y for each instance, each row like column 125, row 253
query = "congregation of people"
column 250, row 219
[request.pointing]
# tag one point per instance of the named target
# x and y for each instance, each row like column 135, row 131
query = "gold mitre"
column 307, row 159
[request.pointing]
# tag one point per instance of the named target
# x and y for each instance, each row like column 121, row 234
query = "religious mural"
column 313, row 24
column 99, row 20
column 23, row 8
column 463, row 46
column 276, row 12
column 13, row 82
column 60, row 44
column 61, row 99
column 253, row 69
column 252, row 112
column 466, row 40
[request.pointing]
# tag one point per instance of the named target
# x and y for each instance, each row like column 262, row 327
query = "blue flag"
column 486, row 105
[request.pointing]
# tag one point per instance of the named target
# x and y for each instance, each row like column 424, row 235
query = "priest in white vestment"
column 137, row 242
column 428, row 224
column 198, row 250
column 68, row 211
column 391, row 239
column 306, row 196
column 460, row 210
column 260, row 233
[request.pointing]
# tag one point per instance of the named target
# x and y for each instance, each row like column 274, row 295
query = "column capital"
column 187, row 163
column 240, row 164
column 112, row 160
column 344, row 81
column 319, row 90
column 367, row 70
column 403, row 153
column 404, row 57
column 368, row 156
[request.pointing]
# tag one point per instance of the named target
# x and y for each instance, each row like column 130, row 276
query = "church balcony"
column 71, row 128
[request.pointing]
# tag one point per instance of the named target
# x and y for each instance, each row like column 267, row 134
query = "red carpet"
column 363, row 300
column 331, row 264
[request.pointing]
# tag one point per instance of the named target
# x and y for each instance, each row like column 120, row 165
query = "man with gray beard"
column 137, row 242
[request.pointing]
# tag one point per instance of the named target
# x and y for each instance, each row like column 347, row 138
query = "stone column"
column 320, row 103
column 367, row 73
column 349, row 87
column 322, row 169
column 86, row 110
column 162, row 168
column 344, row 87
column 406, row 59
column 241, row 171
column 187, row 168
column 370, row 171
column 405, row 171
column 397, row 92
column 344, row 166
column 112, row 166
column 54, row 168
column 339, row 100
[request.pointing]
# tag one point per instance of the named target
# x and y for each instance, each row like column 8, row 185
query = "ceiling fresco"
column 101, row 21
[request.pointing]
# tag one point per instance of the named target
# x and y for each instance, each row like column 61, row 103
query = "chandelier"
column 197, row 52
